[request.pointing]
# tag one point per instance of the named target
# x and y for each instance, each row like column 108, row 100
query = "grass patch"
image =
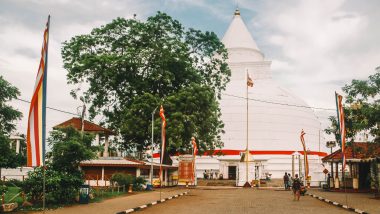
column 101, row 194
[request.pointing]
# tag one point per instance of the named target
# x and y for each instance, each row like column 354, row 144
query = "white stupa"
column 275, row 121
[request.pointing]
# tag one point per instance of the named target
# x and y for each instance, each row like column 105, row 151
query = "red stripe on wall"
column 256, row 152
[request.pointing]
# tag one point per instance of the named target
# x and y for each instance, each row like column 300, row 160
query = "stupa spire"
column 237, row 35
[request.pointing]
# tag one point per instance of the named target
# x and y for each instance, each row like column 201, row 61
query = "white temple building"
column 275, row 116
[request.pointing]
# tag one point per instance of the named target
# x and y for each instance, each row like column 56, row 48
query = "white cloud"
column 315, row 46
column 322, row 41
column 21, row 39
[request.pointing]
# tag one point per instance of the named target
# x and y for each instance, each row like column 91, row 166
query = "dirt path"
column 242, row 201
column 115, row 205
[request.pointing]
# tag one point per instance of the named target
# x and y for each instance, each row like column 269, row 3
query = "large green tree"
column 8, row 115
column 133, row 66
column 364, row 98
column 361, row 109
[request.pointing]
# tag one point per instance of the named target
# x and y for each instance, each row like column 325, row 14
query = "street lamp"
column 151, row 163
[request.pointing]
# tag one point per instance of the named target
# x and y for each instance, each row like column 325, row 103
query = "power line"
column 276, row 103
column 51, row 108
column 257, row 100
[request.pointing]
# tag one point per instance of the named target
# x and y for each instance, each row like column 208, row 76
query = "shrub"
column 138, row 183
column 61, row 187
column 3, row 189
column 122, row 179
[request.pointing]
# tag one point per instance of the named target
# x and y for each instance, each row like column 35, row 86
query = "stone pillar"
column 138, row 172
column 97, row 142
column 166, row 177
column 292, row 166
column 336, row 185
column 150, row 176
column 106, row 145
column 17, row 146
column 103, row 173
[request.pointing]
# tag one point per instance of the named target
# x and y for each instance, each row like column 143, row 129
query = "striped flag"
column 195, row 149
column 163, row 140
column 36, row 133
column 195, row 152
column 305, row 154
column 342, row 128
column 249, row 80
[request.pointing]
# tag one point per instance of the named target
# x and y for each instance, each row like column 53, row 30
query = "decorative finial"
column 237, row 12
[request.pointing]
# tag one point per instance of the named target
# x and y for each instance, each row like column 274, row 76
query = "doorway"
column 231, row 172
column 364, row 176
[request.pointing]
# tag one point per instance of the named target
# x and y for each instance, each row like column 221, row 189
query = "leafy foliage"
column 366, row 93
column 8, row 115
column 63, row 177
column 61, row 186
column 138, row 183
column 3, row 188
column 362, row 108
column 122, row 179
column 132, row 67
column 69, row 148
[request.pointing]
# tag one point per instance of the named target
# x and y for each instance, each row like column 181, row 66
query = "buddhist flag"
column 36, row 133
column 249, row 80
column 163, row 133
column 305, row 154
column 342, row 128
column 195, row 149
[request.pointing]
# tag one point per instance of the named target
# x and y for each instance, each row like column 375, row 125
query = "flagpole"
column 44, row 117
column 151, row 164
column 192, row 151
column 246, row 149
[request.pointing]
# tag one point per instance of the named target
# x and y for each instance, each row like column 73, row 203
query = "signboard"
column 186, row 170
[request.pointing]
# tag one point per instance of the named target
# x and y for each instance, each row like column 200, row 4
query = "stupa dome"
column 276, row 116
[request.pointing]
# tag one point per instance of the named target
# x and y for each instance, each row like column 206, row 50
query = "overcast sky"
column 316, row 47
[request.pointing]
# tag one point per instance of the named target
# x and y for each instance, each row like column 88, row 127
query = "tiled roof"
column 356, row 151
column 121, row 162
column 88, row 126
column 109, row 162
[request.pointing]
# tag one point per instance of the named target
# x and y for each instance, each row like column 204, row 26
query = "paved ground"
column 211, row 201
column 115, row 205
column 221, row 200
column 362, row 201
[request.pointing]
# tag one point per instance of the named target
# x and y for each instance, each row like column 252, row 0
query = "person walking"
column 286, row 181
column 290, row 181
column 296, row 188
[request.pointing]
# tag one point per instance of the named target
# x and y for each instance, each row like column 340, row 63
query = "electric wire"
column 51, row 108
column 277, row 103
column 230, row 95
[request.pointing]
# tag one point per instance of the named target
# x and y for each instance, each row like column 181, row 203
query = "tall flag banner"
column 195, row 152
column 195, row 149
column 249, row 81
column 36, row 133
column 342, row 127
column 163, row 133
column 305, row 154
